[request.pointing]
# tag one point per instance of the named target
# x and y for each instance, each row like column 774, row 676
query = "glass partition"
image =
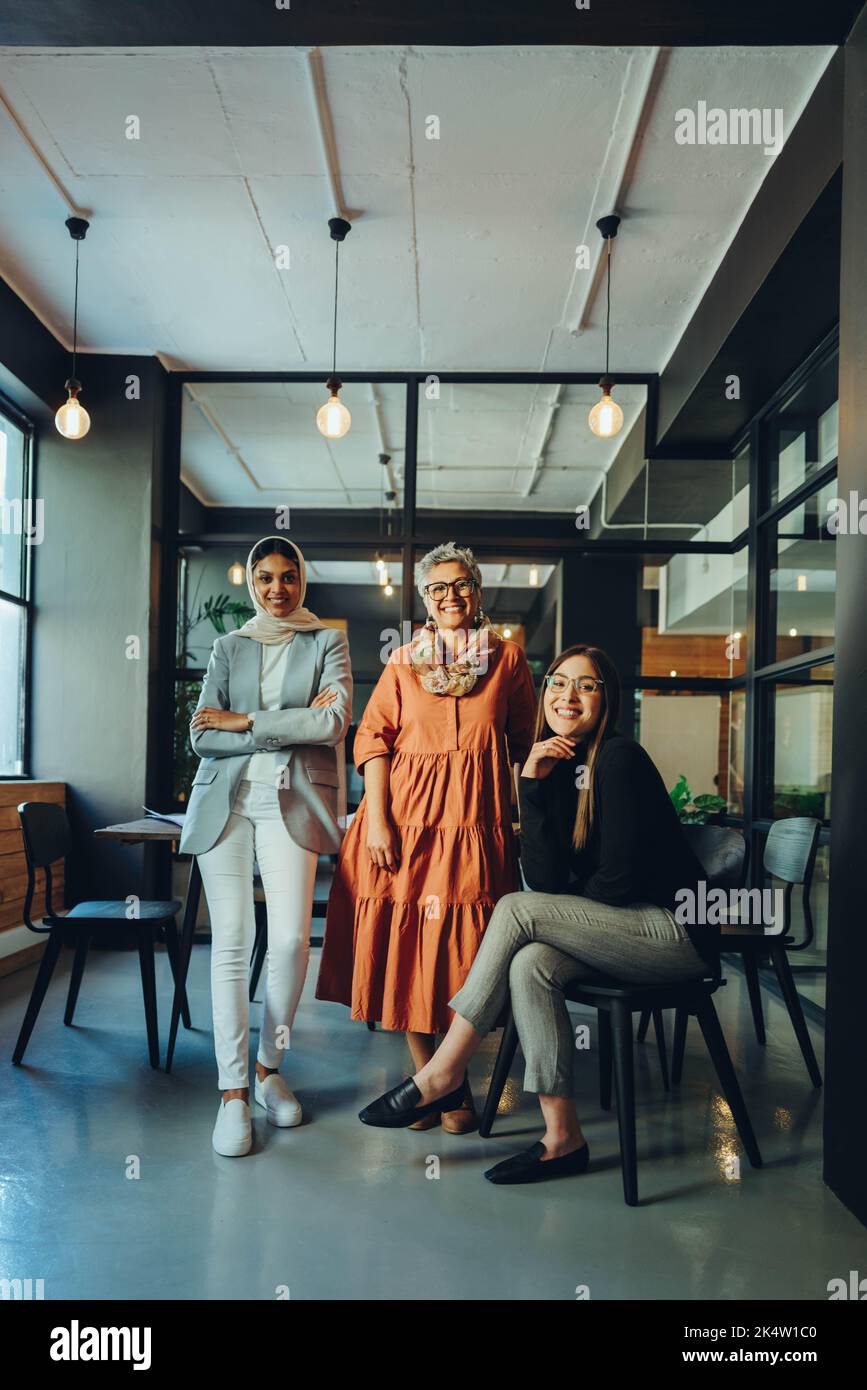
column 802, row 434
column 256, row 444
column 802, row 569
column 799, row 746
column 514, row 447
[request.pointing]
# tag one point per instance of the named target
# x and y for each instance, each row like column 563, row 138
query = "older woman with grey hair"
column 431, row 849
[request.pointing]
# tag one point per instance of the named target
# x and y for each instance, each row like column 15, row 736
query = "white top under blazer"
column 263, row 767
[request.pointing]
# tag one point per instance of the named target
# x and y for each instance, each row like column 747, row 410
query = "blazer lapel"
column 245, row 675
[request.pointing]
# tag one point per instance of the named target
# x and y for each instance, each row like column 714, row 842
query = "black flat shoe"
column 400, row 1107
column 528, row 1166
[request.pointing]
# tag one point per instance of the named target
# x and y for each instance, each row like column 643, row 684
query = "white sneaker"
column 282, row 1105
column 233, row 1132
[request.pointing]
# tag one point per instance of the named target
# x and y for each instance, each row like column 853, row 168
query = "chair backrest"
column 790, row 849
column 722, row 852
column 46, row 834
column 790, row 853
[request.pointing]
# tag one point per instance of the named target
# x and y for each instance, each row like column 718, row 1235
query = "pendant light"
column 333, row 419
column 606, row 417
column 72, row 419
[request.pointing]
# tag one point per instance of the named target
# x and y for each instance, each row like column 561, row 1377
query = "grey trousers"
column 536, row 942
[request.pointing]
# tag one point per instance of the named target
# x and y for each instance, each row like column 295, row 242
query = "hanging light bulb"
column 507, row 632
column 606, row 417
column 379, row 562
column 388, row 590
column 333, row 419
column 72, row 420
column 237, row 574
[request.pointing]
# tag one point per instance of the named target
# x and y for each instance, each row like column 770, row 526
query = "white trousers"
column 255, row 829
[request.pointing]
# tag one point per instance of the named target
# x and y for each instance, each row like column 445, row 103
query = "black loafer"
column 400, row 1107
column 528, row 1166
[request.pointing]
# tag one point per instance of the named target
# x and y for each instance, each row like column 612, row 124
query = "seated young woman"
column 603, row 855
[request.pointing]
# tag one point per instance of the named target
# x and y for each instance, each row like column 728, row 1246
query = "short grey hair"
column 442, row 555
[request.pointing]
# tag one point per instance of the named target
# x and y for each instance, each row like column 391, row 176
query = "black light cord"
column 608, row 308
column 336, row 272
column 75, row 313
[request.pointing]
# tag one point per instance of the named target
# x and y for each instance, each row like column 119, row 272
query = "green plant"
column 215, row 610
column 696, row 811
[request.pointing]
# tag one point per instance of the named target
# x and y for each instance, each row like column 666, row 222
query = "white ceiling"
column 463, row 249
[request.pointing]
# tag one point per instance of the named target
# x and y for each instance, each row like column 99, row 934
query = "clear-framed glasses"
column 462, row 587
column 585, row 685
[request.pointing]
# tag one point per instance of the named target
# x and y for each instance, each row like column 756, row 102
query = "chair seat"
column 662, row 996
column 742, row 938
column 109, row 910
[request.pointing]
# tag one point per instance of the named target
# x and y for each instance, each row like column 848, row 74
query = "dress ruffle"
column 400, row 945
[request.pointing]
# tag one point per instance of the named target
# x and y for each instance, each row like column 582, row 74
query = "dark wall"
column 845, row 1169
column 599, row 607
column 91, row 587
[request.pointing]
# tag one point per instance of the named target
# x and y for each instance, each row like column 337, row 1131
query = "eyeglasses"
column 462, row 587
column 585, row 685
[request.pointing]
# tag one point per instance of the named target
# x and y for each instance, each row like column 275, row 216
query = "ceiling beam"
column 78, row 23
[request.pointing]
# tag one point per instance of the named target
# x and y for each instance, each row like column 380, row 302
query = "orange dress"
column 399, row 944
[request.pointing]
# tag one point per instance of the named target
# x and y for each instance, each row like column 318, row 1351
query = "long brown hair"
column 608, row 674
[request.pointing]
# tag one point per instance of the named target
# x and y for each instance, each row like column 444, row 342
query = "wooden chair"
column 47, row 838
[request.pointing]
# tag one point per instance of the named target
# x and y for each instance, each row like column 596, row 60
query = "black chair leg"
column 81, row 948
column 796, row 1013
column 173, row 949
column 371, row 1026
column 716, row 1046
column 149, row 990
column 185, row 950
column 621, row 1026
column 659, row 1030
column 751, row 970
column 605, row 1060
column 260, row 948
column 40, row 985
column 643, row 1025
column 502, row 1067
column 681, row 1019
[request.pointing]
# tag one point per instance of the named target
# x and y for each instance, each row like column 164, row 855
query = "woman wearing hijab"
column 275, row 703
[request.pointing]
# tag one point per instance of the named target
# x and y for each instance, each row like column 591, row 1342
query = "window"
column 20, row 529
column 802, row 572
column 802, row 433
column 799, row 746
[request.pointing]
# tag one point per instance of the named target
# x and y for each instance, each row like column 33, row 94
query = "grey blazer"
column 307, row 737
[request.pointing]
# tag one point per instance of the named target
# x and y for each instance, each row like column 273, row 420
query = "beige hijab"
column 265, row 627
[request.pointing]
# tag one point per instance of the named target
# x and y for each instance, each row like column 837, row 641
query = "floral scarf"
column 428, row 656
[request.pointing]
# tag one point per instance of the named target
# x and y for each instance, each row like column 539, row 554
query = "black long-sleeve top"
column 636, row 851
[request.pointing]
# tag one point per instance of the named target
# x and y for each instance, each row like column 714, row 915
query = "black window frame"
column 23, row 423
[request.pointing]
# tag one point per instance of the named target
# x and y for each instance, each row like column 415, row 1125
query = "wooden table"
column 150, row 831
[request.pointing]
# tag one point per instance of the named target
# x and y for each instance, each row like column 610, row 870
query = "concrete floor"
column 335, row 1210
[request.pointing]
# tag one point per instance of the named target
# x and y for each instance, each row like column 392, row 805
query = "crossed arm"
column 216, row 731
